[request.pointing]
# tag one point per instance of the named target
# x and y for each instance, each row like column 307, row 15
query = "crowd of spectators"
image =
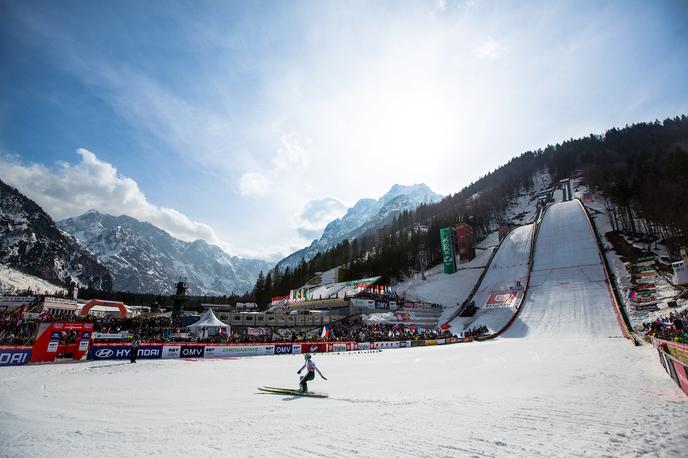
column 475, row 332
column 357, row 330
column 673, row 327
column 17, row 329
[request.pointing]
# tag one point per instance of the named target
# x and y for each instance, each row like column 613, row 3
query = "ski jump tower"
column 180, row 298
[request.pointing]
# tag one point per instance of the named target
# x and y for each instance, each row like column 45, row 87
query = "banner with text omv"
column 100, row 352
column 12, row 356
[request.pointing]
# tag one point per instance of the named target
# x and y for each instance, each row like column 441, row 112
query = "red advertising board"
column 48, row 342
column 501, row 299
column 313, row 347
column 681, row 374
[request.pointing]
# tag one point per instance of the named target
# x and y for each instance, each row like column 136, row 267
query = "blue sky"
column 252, row 124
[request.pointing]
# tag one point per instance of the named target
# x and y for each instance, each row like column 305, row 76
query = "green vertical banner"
column 447, row 251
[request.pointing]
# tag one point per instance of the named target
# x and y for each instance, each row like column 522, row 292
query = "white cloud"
column 290, row 153
column 442, row 5
column 317, row 213
column 253, row 183
column 94, row 184
column 490, row 49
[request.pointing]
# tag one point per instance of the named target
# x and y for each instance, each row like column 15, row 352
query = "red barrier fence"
column 677, row 370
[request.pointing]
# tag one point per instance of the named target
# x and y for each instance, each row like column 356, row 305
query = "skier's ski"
column 275, row 390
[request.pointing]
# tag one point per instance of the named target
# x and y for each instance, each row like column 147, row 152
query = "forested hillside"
column 641, row 169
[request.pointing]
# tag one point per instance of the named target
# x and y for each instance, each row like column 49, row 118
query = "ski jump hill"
column 508, row 266
column 568, row 294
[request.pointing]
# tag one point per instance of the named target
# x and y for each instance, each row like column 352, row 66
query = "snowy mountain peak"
column 364, row 215
column 144, row 258
column 32, row 243
column 419, row 193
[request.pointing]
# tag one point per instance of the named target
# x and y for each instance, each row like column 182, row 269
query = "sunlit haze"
column 253, row 124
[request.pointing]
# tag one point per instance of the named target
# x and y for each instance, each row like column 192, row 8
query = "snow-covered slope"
column 449, row 290
column 568, row 295
column 13, row 281
column 31, row 242
column 504, row 398
column 144, row 258
column 509, row 266
column 366, row 214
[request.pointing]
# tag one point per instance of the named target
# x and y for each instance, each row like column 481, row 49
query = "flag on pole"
column 325, row 332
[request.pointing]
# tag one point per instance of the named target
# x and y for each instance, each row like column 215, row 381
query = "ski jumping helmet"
column 307, row 356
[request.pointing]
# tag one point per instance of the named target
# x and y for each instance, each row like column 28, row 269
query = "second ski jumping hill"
column 500, row 290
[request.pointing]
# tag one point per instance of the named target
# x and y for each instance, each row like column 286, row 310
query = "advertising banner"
column 652, row 306
column 338, row 347
column 192, row 351
column 501, row 299
column 283, row 349
column 661, row 358
column 417, row 343
column 110, row 336
column 235, row 351
column 83, row 343
column 363, row 346
column 171, row 351
column 365, row 303
column 448, row 257
column 639, row 299
column 10, row 356
column 100, row 352
column 680, row 273
column 671, row 369
column 296, row 348
column 682, row 375
column 54, row 342
column 430, row 342
column 313, row 347
column 385, row 345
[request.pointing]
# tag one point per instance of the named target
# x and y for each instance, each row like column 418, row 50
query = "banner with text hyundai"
column 14, row 356
column 104, row 351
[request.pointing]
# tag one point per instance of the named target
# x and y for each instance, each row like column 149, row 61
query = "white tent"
column 208, row 325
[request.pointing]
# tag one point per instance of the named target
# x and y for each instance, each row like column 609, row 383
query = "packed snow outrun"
column 560, row 381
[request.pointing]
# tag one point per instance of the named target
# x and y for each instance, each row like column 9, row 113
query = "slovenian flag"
column 325, row 332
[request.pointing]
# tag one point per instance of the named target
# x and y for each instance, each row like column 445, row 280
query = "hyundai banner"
column 14, row 356
column 100, row 352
